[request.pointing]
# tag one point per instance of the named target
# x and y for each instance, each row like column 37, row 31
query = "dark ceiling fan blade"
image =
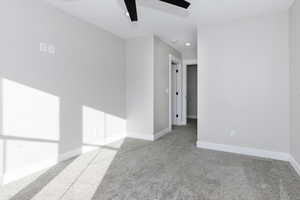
column 131, row 7
column 180, row 3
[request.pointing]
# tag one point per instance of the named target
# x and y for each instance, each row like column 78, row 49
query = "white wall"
column 161, row 83
column 243, row 83
column 192, row 91
column 147, row 77
column 190, row 53
column 295, row 79
column 52, row 104
column 140, row 87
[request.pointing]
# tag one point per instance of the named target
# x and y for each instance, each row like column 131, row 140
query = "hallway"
column 171, row 168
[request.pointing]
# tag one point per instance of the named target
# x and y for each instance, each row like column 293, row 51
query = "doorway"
column 175, row 92
column 192, row 93
column 192, row 67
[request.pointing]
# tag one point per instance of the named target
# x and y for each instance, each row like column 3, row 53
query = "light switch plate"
column 51, row 49
column 232, row 133
column 43, row 47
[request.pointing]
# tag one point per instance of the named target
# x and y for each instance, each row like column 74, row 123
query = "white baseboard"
column 162, row 133
column 14, row 175
column 244, row 151
column 140, row 136
column 182, row 123
column 1, row 179
column 69, row 155
column 149, row 137
column 192, row 117
column 295, row 164
column 114, row 139
column 24, row 171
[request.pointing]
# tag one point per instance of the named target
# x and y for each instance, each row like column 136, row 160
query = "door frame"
column 184, row 88
column 174, row 59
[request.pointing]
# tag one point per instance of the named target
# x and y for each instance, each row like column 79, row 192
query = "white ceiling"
column 166, row 21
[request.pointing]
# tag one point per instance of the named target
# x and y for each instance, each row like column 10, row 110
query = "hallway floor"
column 171, row 168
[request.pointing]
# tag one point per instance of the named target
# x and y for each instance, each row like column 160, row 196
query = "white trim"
column 176, row 60
column 14, row 175
column 192, row 117
column 190, row 62
column 244, row 151
column 184, row 88
column 170, row 91
column 1, row 179
column 140, row 136
column 162, row 133
column 295, row 164
column 149, row 137
column 69, row 155
column 114, row 139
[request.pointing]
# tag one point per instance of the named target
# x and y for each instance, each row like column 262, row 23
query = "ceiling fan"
column 132, row 10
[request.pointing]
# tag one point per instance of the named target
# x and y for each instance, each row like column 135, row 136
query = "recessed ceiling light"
column 187, row 44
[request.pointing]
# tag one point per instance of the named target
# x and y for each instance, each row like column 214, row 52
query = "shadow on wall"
column 39, row 129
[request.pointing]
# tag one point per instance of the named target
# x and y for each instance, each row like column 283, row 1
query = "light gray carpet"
column 171, row 168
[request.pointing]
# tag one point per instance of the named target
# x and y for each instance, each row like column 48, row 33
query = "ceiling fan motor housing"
column 132, row 10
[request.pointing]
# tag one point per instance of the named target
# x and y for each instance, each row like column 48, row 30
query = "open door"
column 176, row 94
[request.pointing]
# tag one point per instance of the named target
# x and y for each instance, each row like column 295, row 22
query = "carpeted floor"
column 171, row 168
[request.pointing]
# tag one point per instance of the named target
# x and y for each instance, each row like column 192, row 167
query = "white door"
column 176, row 95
